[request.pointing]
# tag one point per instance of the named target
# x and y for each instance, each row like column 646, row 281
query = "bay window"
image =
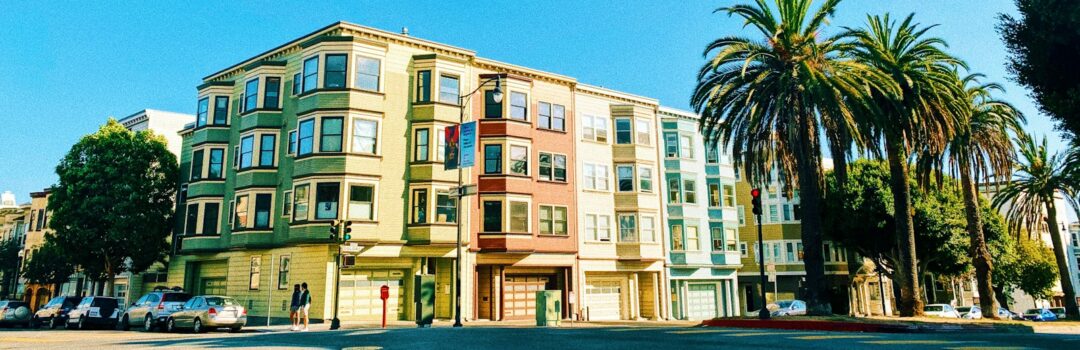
column 217, row 159
column 445, row 208
column 221, row 110
column 422, row 140
column 686, row 148
column 645, row 179
column 648, row 229
column 671, row 145
column 271, row 93
column 306, row 137
column 361, row 198
column 196, row 165
column 335, row 72
column 519, row 216
column 492, row 109
column 423, row 86
column 210, row 218
column 251, row 95
column 202, row 109
column 628, row 228
column 492, row 159
column 367, row 73
column 689, row 191
column 311, row 74
column 643, row 132
column 330, row 134
column 364, row 136
column 419, row 206
column 247, row 147
column 692, row 239
column 677, row 238
column 519, row 160
column 326, row 200
column 240, row 220
column 492, row 216
column 623, row 131
column 449, row 89
column 266, row 150
column 519, row 106
column 300, row 203
column 263, row 203
column 625, row 174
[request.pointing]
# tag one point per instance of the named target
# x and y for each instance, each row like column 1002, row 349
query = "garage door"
column 519, row 296
column 360, row 300
column 701, row 301
column 604, row 300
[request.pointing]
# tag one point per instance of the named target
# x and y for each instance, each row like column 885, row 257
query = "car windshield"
column 85, row 302
column 931, row 308
column 783, row 304
column 219, row 301
column 176, row 297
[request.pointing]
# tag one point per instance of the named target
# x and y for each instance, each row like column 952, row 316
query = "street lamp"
column 497, row 97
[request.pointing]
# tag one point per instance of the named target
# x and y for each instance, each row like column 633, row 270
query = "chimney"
column 405, row 31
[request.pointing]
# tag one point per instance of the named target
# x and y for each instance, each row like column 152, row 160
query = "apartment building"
column 13, row 229
column 702, row 219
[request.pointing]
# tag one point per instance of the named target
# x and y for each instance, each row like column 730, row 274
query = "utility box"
column 549, row 308
column 425, row 300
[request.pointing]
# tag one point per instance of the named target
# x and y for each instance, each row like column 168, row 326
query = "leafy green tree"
column 1019, row 262
column 9, row 265
column 772, row 96
column 916, row 109
column 981, row 147
column 1043, row 43
column 1029, row 199
column 49, row 265
column 113, row 207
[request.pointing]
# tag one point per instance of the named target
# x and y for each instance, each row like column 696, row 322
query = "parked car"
column 970, row 312
column 787, row 308
column 1005, row 314
column 207, row 312
column 54, row 313
column 14, row 313
column 153, row 309
column 1059, row 312
column 940, row 310
column 95, row 312
column 1039, row 315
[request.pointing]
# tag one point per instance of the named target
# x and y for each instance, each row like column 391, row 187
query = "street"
column 509, row 337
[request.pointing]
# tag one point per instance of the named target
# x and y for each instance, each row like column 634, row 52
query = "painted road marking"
column 754, row 334
column 29, row 340
column 991, row 347
column 828, row 337
column 699, row 331
column 916, row 342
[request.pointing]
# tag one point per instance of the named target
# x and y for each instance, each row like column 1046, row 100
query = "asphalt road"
column 502, row 337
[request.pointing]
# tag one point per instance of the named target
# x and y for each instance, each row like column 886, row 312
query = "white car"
column 788, row 308
column 940, row 310
column 970, row 312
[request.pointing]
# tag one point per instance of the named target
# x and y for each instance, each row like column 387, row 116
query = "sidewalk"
column 479, row 323
column 897, row 325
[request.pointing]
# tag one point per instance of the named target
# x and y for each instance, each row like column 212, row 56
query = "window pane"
column 263, row 204
column 364, row 136
column 311, row 74
column 560, row 221
column 266, row 150
column 360, row 202
column 448, row 89
column 241, row 220
column 628, row 228
column 648, row 229
column 519, row 217
column 692, row 242
column 334, row 73
column 544, row 114
column 423, row 86
column 714, row 195
column 297, row 81
column 645, row 178
column 204, row 105
column 518, row 106
column 190, row 225
column 221, row 110
column 492, row 109
column 492, row 159
column 671, row 145
column 546, row 222
column 446, row 208
column 519, row 160
column 270, row 97
column 326, row 200
column 558, row 115
column 217, row 158
column 247, row 146
column 419, row 208
column 560, row 167
column 196, row 165
column 300, row 202
column 622, row 131
column 330, row 140
column 677, row 238
column 251, row 95
column 689, row 191
column 367, row 73
column 601, row 126
column 422, row 140
column 643, row 132
column 686, row 147
column 306, row 136
column 492, row 216
column 545, row 166
column 626, row 178
column 292, row 142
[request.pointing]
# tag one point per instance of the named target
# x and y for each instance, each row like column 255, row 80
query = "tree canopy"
column 9, row 264
column 48, row 264
column 1019, row 263
column 113, row 206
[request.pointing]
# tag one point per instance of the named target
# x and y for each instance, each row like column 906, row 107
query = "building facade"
column 13, row 227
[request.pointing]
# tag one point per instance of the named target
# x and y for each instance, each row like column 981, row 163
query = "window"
column 628, row 228
column 492, row 159
column 671, row 145
column 255, row 272
column 306, row 137
column 420, row 153
column 448, row 89
column 519, row 217
column 558, row 117
column 692, row 238
column 217, row 159
column 790, row 251
column 283, row 271
column 648, row 229
column 774, row 213
column 519, row 160
column 596, row 177
column 519, row 106
column 196, row 165
column 717, row 239
column 714, row 195
column 204, row 106
column 492, row 216
column 191, row 224
column 623, row 132
column 729, row 196
column 440, row 144
column 247, row 145
column 543, row 112
column 334, row 74
column 686, row 148
column 743, row 250
column 423, row 86
column 445, row 208
column 286, row 204
column 311, row 74
column 300, row 202
column 492, row 109
column 296, row 83
column 292, row 142
column 742, row 215
column 594, row 128
column 240, row 219
column 674, row 191
column 364, row 136
column 625, row 177
column 330, row 134
column 689, row 191
column 787, row 212
column 552, row 167
column 553, row 220
column 263, row 203
column 326, row 200
column 419, row 206
column 251, row 95
column 270, row 95
column 677, row 238
column 795, row 212
column 712, row 153
column 221, row 110
column 266, row 150
column 598, row 227
column 367, row 73
column 644, row 136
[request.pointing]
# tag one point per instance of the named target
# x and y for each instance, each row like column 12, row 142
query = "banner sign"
column 452, row 150
column 468, row 145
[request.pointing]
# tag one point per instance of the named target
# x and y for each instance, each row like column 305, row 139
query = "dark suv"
column 54, row 313
column 153, row 309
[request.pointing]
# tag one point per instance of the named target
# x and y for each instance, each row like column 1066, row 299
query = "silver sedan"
column 206, row 312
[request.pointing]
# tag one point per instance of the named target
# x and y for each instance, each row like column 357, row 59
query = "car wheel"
column 68, row 325
column 148, row 323
column 170, row 325
column 197, row 326
column 82, row 323
column 52, row 322
column 124, row 323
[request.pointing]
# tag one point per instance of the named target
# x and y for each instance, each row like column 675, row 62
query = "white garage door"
column 701, row 301
column 360, row 295
column 603, row 300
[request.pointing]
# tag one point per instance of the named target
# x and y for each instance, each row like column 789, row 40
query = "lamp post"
column 497, row 96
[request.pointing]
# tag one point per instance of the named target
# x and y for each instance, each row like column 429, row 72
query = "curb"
column 838, row 326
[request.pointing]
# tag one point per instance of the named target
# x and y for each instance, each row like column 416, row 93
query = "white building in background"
column 7, row 200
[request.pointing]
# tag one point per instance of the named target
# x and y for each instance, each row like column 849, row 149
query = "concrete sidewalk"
column 325, row 326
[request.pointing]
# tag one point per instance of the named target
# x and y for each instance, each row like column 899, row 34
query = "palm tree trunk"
column 810, row 195
column 979, row 253
column 908, row 273
column 1071, row 310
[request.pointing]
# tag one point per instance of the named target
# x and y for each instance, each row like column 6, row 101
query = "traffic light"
column 755, row 198
column 333, row 232
column 348, row 231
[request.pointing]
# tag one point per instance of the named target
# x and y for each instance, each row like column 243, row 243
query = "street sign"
column 468, row 145
column 351, row 248
column 466, row 190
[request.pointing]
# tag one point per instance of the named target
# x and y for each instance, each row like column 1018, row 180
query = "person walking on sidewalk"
column 305, row 304
column 294, row 308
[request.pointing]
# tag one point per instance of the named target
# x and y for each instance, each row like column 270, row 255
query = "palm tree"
column 1029, row 197
column 980, row 147
column 919, row 114
column 770, row 98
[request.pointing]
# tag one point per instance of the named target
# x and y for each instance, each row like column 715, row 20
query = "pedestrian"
column 294, row 308
column 305, row 304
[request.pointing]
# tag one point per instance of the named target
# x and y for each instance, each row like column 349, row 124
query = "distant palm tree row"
column 887, row 89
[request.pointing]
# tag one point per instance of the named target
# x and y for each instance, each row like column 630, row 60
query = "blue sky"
column 69, row 65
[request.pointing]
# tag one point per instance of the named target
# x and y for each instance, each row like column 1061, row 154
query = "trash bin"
column 548, row 308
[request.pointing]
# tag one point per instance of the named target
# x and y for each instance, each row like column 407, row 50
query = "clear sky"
column 68, row 65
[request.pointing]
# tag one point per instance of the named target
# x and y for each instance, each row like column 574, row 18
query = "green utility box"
column 548, row 308
column 425, row 300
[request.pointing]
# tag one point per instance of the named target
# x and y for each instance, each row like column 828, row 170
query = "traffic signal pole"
column 340, row 232
column 755, row 195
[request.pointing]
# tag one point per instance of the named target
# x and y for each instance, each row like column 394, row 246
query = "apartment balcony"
column 436, row 111
column 206, row 188
column 262, row 118
column 432, row 234
column 210, row 134
column 638, row 251
column 201, row 243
